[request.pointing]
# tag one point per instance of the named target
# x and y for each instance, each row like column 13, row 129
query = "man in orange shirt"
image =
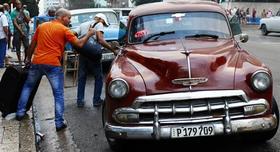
column 47, row 48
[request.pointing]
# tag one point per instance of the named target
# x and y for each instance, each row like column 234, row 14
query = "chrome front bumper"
column 164, row 132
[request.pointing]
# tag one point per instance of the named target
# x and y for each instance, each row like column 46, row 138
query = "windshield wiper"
column 203, row 35
column 158, row 34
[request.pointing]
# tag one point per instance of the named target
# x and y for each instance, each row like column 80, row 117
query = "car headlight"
column 261, row 80
column 118, row 88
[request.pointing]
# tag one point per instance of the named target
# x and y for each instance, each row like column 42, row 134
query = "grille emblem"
column 190, row 81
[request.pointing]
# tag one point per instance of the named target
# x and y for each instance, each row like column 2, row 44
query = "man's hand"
column 27, row 63
column 91, row 32
column 22, row 34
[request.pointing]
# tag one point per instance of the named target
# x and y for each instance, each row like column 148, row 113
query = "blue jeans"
column 56, row 79
column 86, row 65
column 3, row 47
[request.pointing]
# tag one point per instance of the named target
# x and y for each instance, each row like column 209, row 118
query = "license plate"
column 192, row 131
column 108, row 56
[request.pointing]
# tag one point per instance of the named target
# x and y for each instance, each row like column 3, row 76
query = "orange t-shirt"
column 51, row 38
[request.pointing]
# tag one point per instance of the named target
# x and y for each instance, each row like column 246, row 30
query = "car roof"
column 176, row 6
column 88, row 10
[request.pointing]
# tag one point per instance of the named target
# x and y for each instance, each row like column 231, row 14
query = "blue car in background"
column 111, row 33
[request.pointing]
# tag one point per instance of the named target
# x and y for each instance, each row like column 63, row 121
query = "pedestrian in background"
column 21, row 20
column 254, row 13
column 47, row 48
column 3, row 36
column 243, row 16
column 263, row 15
column 100, row 20
column 269, row 13
column 10, row 22
column 47, row 17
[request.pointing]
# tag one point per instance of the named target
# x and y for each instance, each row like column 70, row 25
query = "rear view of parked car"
column 271, row 24
column 181, row 74
column 111, row 33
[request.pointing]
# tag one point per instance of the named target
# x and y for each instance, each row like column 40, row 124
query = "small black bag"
column 91, row 49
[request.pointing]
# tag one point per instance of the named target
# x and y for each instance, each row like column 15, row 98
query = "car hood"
column 170, row 66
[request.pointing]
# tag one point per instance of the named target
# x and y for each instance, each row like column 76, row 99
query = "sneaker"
column 61, row 128
column 97, row 104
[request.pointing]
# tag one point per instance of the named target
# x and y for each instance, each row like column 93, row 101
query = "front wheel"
column 264, row 29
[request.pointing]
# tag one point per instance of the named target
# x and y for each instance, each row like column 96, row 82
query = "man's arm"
column 5, row 25
column 81, row 42
column 30, row 50
column 101, row 40
column 17, row 26
column 6, row 30
column 26, row 16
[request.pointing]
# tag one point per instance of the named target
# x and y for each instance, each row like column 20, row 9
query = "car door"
column 275, row 22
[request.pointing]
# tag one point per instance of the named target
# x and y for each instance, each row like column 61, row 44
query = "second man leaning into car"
column 86, row 65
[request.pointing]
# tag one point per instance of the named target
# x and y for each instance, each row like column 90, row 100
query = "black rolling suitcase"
column 11, row 85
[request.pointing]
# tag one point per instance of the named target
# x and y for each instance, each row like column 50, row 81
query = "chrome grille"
column 191, row 110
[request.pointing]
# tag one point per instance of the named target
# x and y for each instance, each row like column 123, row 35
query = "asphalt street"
column 85, row 131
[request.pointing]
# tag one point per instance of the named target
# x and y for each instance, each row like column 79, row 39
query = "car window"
column 184, row 24
column 278, row 13
column 77, row 19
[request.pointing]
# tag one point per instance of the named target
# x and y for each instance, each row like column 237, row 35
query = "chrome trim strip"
column 189, row 65
column 227, row 121
column 156, row 126
column 238, row 126
column 189, row 95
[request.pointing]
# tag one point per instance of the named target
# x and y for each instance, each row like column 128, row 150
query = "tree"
column 140, row 2
column 76, row 4
column 32, row 7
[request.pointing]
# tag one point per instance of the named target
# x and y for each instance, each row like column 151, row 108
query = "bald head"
column 62, row 12
column 63, row 15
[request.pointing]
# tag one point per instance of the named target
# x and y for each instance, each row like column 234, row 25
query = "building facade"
column 258, row 5
column 55, row 3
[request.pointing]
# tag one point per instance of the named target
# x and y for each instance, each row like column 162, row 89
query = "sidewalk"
column 16, row 136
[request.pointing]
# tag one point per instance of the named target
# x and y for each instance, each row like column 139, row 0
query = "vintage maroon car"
column 181, row 74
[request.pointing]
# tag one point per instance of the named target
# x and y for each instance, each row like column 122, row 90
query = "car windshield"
column 77, row 19
column 184, row 25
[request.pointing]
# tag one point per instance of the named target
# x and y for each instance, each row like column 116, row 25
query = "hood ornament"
column 190, row 81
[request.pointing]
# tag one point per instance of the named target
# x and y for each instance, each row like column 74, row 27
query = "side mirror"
column 234, row 25
column 243, row 37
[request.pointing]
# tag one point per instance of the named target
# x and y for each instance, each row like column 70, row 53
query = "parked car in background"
column 178, row 77
column 122, row 11
column 271, row 24
column 111, row 33
column 123, row 14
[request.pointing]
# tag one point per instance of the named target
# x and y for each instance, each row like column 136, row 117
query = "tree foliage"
column 5, row 1
column 76, row 4
column 32, row 7
column 140, row 2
